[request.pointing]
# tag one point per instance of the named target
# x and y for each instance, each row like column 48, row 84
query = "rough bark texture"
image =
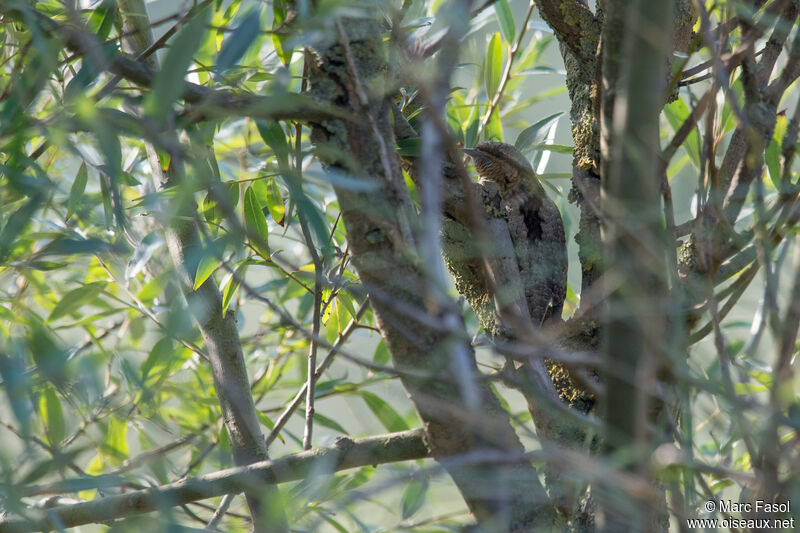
column 350, row 74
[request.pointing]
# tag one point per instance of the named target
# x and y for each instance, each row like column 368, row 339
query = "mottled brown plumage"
column 534, row 223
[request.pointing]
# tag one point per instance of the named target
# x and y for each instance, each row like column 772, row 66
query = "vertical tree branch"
column 218, row 329
column 635, row 240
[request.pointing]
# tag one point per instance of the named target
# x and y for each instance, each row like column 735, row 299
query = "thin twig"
column 280, row 422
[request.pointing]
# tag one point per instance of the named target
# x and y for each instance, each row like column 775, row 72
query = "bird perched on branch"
column 535, row 224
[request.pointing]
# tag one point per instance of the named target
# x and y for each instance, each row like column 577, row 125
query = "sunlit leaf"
column 493, row 67
column 256, row 224
column 52, row 416
column 231, row 286
column 274, row 201
column 280, row 41
column 169, row 82
column 205, row 267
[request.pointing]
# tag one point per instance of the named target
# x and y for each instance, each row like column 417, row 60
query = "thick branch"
column 345, row 453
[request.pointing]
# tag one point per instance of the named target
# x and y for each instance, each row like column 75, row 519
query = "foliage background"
column 98, row 350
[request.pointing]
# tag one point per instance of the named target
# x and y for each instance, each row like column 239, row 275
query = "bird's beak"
column 472, row 152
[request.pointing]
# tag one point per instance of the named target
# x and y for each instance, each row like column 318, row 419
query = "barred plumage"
column 535, row 224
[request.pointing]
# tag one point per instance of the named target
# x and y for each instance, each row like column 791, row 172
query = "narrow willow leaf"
column 772, row 154
column 232, row 286
column 205, row 267
column 239, row 41
column 677, row 112
column 381, row 355
column 409, row 147
column 280, row 41
column 274, row 201
column 274, row 136
column 414, row 496
column 506, row 20
column 116, row 441
column 256, row 224
column 16, row 224
column 535, row 133
column 384, row 412
column 493, row 67
column 169, row 82
column 76, row 298
column 471, row 131
column 53, row 416
column 329, row 423
column 494, row 128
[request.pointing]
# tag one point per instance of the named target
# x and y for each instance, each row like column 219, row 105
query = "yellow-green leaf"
column 53, row 416
column 208, row 263
column 274, row 200
column 493, row 68
column 256, row 223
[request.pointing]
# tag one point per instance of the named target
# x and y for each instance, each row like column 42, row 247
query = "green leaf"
column 116, row 441
column 239, row 41
column 256, row 224
column 494, row 128
column 471, row 131
column 772, row 154
column 76, row 298
column 274, row 201
column 535, row 133
column 169, row 82
column 558, row 148
column 677, row 112
column 274, row 136
column 280, row 9
column 493, row 68
column 409, row 147
column 77, row 189
column 381, row 355
column 205, row 267
column 506, row 20
column 329, row 423
column 414, row 496
column 232, row 286
column 16, row 223
column 384, row 412
column 158, row 356
column 53, row 416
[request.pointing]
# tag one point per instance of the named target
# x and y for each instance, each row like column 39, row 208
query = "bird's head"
column 500, row 162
